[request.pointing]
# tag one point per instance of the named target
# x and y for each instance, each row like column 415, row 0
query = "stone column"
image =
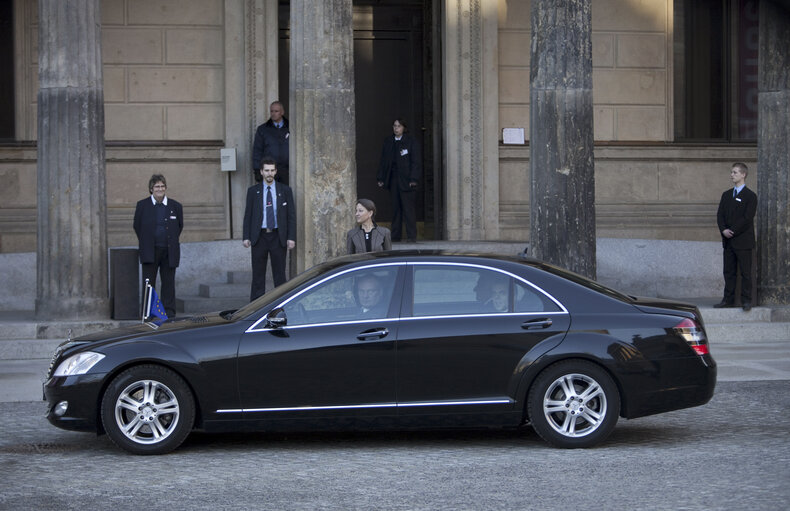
column 471, row 124
column 323, row 167
column 773, row 155
column 251, row 61
column 72, row 211
column 562, row 202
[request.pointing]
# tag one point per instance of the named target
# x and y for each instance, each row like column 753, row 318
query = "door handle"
column 534, row 324
column 372, row 334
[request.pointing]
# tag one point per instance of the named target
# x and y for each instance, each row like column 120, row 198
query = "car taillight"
column 694, row 335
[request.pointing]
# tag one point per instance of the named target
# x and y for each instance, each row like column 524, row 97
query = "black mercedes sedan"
column 403, row 339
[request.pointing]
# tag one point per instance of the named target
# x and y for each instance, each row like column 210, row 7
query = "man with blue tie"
column 269, row 227
column 735, row 217
column 271, row 141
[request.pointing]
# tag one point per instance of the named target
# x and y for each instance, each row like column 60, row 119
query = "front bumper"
column 83, row 394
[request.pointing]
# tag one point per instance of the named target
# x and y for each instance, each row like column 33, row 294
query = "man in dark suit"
column 735, row 217
column 271, row 141
column 399, row 172
column 158, row 222
column 269, row 227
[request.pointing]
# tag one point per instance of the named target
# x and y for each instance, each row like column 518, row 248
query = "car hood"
column 662, row 306
column 148, row 329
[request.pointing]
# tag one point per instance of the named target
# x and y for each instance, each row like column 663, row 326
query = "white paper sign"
column 227, row 156
column 513, row 136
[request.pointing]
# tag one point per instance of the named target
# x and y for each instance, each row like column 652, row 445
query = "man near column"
column 269, row 227
column 400, row 169
column 158, row 222
column 735, row 217
column 271, row 141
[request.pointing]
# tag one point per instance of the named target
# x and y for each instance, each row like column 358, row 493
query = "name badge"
column 737, row 199
column 172, row 217
column 404, row 152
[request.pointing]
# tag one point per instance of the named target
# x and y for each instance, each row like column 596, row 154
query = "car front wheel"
column 148, row 410
column 573, row 404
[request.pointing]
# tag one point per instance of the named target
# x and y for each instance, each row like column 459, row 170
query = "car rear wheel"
column 573, row 404
column 148, row 410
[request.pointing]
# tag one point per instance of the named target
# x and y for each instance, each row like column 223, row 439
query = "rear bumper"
column 694, row 389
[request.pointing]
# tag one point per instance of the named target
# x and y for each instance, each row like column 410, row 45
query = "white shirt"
column 164, row 201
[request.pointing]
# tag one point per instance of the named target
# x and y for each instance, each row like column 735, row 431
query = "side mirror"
column 276, row 318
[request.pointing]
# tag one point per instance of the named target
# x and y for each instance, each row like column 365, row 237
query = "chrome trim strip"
column 413, row 318
column 492, row 401
column 456, row 403
column 485, row 314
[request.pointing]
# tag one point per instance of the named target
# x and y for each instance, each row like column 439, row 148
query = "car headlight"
column 78, row 364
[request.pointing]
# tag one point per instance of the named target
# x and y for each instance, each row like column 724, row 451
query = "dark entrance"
column 394, row 72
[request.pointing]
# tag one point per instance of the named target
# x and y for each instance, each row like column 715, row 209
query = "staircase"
column 733, row 325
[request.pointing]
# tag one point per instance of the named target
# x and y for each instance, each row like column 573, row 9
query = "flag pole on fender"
column 146, row 301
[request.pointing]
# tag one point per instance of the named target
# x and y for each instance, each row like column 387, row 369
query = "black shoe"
column 723, row 305
column 747, row 306
column 411, row 240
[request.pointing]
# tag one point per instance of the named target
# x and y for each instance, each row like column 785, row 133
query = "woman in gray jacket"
column 367, row 236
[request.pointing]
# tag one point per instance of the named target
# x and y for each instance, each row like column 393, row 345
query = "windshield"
column 279, row 291
column 307, row 275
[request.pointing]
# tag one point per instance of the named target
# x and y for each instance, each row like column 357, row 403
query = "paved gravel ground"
column 730, row 454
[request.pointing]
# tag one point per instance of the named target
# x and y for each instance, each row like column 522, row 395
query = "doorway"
column 396, row 74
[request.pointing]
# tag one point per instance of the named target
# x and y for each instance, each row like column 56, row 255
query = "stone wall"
column 163, row 69
column 631, row 68
column 656, row 191
column 192, row 174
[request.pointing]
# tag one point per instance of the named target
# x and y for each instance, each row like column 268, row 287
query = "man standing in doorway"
column 735, row 217
column 158, row 222
column 400, row 169
column 271, row 141
column 269, row 227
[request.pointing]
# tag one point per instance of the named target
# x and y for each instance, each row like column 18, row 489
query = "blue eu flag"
column 155, row 308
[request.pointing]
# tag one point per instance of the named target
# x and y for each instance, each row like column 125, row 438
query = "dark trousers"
column 733, row 260
column 167, row 291
column 268, row 244
column 403, row 211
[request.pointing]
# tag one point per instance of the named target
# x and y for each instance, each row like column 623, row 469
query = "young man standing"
column 269, row 227
column 735, row 217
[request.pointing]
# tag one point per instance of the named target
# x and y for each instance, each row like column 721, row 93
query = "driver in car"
column 369, row 291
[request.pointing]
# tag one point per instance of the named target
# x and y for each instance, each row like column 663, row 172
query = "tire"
column 148, row 410
column 573, row 404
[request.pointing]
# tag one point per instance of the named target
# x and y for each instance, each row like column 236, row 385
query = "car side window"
column 357, row 295
column 452, row 290
column 529, row 299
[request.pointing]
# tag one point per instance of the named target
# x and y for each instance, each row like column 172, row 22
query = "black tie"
column 269, row 208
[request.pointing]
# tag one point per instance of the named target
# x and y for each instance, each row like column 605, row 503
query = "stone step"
column 241, row 277
column 198, row 304
column 224, row 290
column 747, row 332
column 735, row 315
column 21, row 330
column 24, row 349
column 33, row 329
